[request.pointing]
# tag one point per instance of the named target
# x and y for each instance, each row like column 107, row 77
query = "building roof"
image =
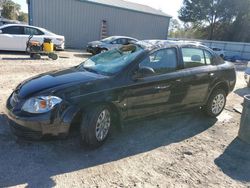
column 129, row 6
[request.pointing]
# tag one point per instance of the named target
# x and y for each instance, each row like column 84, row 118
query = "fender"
column 223, row 84
column 68, row 116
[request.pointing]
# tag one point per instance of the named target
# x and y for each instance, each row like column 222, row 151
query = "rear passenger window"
column 193, row 57
column 161, row 61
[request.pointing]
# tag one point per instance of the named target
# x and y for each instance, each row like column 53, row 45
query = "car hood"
column 95, row 43
column 52, row 80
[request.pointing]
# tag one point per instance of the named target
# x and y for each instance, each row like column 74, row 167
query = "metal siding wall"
column 80, row 22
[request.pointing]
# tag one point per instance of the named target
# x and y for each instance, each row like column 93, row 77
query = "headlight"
column 41, row 104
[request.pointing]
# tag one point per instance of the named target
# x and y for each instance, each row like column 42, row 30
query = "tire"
column 94, row 134
column 216, row 103
column 53, row 56
column 103, row 50
column 36, row 56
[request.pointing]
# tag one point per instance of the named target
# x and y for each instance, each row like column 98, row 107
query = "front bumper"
column 60, row 46
column 35, row 126
column 92, row 50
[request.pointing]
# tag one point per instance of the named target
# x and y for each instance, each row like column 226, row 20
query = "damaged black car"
column 131, row 82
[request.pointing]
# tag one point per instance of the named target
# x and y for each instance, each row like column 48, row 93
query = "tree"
column 239, row 30
column 10, row 9
column 174, row 25
column 207, row 13
column 23, row 17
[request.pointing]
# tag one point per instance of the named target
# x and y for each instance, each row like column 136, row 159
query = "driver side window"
column 161, row 61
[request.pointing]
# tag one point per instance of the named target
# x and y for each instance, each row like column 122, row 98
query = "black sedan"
column 121, row 84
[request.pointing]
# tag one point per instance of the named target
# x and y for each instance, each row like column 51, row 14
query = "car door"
column 197, row 76
column 36, row 33
column 11, row 38
column 150, row 94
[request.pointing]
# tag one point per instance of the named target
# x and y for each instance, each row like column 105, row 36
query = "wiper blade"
column 91, row 70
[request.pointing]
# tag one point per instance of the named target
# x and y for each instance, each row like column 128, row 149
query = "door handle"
column 162, row 87
column 211, row 74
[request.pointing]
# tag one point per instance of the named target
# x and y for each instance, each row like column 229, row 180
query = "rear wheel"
column 216, row 103
column 53, row 56
column 95, row 126
column 36, row 56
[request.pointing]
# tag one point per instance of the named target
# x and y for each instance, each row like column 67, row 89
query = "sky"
column 170, row 7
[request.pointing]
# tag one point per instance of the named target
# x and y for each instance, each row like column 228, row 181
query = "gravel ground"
column 185, row 150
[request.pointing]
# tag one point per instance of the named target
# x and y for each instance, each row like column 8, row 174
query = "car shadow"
column 12, row 53
column 22, row 55
column 242, row 91
column 83, row 55
column 235, row 161
column 20, row 59
column 34, row 163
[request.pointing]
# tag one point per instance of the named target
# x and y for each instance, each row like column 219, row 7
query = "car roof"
column 117, row 37
column 22, row 25
column 158, row 44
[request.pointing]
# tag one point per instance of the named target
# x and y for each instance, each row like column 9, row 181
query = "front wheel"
column 103, row 50
column 216, row 103
column 95, row 126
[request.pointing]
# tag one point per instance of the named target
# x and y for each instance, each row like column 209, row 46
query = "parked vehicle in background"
column 109, row 43
column 122, row 84
column 219, row 51
column 14, row 37
column 247, row 75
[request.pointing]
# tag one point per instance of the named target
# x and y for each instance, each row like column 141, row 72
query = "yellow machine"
column 48, row 47
column 36, row 49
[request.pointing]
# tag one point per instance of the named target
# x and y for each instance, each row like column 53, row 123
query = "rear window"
column 14, row 30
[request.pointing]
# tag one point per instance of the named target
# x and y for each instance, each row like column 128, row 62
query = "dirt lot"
column 188, row 150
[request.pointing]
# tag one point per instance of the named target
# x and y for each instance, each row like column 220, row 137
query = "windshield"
column 108, row 40
column 113, row 61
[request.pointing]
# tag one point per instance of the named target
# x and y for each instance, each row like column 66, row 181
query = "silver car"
column 109, row 43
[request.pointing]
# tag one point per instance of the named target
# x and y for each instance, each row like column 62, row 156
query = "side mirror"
column 1, row 31
column 143, row 72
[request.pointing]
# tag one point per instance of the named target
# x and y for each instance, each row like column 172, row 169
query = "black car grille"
column 24, row 132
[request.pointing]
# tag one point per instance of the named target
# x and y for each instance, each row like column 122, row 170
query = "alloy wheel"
column 218, row 104
column 102, row 125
